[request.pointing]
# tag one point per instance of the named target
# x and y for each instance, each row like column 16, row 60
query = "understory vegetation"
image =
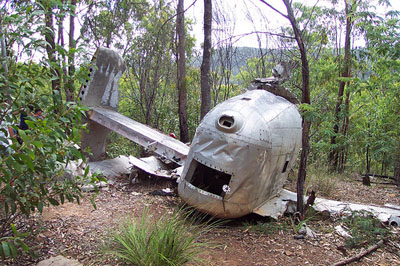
column 365, row 229
column 172, row 239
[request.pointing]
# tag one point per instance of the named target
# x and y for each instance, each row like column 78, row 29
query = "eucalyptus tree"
column 206, row 63
column 305, row 100
column 223, row 54
column 181, row 73
column 112, row 24
column 351, row 7
column 354, row 14
column 151, row 75
column 48, row 20
column 49, row 32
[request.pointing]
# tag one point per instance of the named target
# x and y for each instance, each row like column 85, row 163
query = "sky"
column 239, row 12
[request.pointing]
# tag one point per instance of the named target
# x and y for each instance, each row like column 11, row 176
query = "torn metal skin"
column 241, row 154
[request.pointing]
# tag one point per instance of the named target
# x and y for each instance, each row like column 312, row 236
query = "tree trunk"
column 206, row 63
column 345, row 126
column 181, row 74
column 4, row 57
column 51, row 50
column 367, row 160
column 334, row 153
column 397, row 170
column 69, row 85
column 305, row 73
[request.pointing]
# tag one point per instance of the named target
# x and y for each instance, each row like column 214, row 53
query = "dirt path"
column 79, row 231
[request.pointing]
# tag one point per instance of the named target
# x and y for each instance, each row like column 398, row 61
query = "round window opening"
column 226, row 121
column 229, row 122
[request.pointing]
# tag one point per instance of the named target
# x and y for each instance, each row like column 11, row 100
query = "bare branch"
column 239, row 36
column 178, row 13
column 267, row 33
column 360, row 255
column 276, row 10
column 312, row 11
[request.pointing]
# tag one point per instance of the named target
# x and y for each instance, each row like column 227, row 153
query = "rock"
column 303, row 230
column 306, row 231
column 309, row 232
column 90, row 188
column 59, row 261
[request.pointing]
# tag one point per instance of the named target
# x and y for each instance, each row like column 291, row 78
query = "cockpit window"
column 226, row 121
column 208, row 179
column 229, row 122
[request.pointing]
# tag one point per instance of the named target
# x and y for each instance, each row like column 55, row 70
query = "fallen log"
column 380, row 183
column 359, row 255
column 380, row 176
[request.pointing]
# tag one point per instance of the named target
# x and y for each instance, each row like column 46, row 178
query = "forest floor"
column 80, row 231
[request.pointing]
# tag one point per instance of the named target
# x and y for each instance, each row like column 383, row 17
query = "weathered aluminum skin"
column 100, row 90
column 241, row 154
column 151, row 139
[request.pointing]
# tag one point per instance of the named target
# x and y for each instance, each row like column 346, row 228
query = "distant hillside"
column 240, row 55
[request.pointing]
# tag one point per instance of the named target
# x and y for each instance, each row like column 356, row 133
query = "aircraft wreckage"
column 238, row 159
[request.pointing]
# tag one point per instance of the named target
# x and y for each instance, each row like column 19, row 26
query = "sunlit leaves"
column 32, row 171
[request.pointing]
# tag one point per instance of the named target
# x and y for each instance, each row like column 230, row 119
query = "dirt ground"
column 79, row 231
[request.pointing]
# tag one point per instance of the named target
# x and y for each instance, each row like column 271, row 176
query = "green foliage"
column 10, row 244
column 309, row 112
column 364, row 228
column 113, row 22
column 170, row 240
column 32, row 171
column 32, row 174
column 148, row 92
column 119, row 145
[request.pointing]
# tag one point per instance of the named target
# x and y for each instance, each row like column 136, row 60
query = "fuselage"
column 241, row 154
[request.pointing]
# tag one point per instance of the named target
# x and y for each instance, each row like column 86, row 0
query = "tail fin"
column 100, row 90
column 101, row 87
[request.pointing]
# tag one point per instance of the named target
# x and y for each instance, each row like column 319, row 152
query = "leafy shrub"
column 365, row 228
column 170, row 240
column 32, row 173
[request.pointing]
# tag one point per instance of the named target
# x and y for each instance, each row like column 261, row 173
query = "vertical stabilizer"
column 101, row 90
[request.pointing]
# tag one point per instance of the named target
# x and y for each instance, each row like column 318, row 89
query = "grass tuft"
column 321, row 182
column 170, row 240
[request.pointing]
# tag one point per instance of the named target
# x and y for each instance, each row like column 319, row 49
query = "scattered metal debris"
column 394, row 220
column 164, row 192
column 286, row 202
column 342, row 232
